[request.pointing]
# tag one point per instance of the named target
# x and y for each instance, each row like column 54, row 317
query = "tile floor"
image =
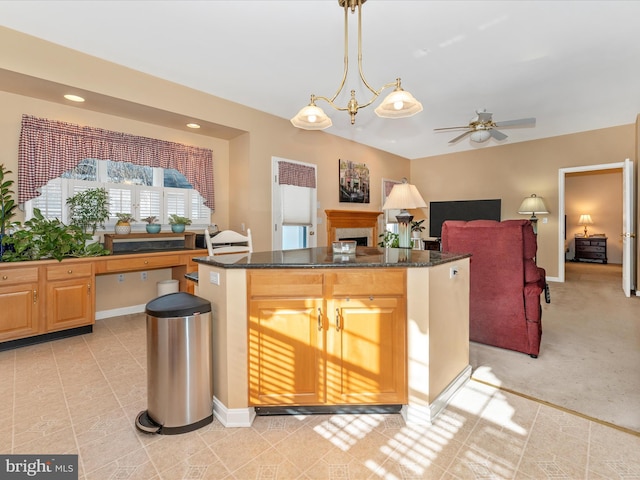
column 81, row 395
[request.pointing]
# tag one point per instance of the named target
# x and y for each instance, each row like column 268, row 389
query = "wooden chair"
column 227, row 242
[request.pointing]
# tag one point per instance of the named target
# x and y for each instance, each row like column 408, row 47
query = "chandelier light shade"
column 532, row 205
column 404, row 196
column 584, row 221
column 311, row 117
column 398, row 104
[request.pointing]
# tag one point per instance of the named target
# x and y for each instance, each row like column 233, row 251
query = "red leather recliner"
column 505, row 283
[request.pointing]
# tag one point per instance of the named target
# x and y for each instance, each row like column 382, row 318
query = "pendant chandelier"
column 398, row 104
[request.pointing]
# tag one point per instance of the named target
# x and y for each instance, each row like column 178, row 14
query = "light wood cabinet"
column 70, row 298
column 320, row 337
column 47, row 296
column 19, row 303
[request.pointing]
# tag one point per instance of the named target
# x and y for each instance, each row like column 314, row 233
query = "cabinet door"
column 70, row 303
column 19, row 307
column 366, row 351
column 285, row 352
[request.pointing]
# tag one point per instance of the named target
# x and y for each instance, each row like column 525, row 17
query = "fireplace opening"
column 360, row 241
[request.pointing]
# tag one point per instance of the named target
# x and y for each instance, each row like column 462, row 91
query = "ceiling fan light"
column 481, row 135
column 311, row 117
column 398, row 104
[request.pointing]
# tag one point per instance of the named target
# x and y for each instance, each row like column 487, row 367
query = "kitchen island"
column 311, row 329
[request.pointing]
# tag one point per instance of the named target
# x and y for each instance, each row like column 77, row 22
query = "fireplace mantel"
column 351, row 219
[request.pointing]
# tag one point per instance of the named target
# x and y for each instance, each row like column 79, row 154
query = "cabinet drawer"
column 366, row 282
column 285, row 284
column 65, row 272
column 12, row 276
column 591, row 249
column 120, row 265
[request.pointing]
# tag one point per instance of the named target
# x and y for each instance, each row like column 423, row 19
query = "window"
column 139, row 190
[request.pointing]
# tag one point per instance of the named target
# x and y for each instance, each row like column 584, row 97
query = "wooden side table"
column 593, row 249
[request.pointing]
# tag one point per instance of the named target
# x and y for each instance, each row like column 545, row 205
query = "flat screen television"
column 467, row 210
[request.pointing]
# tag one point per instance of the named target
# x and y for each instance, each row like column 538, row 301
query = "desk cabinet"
column 592, row 249
column 19, row 303
column 69, row 299
column 322, row 338
column 48, row 297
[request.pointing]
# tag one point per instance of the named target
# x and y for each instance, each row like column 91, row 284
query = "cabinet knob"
column 146, row 261
column 69, row 271
column 5, row 277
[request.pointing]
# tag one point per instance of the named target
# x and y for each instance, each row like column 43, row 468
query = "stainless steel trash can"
column 179, row 365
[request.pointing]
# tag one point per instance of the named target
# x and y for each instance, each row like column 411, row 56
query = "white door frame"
column 561, row 212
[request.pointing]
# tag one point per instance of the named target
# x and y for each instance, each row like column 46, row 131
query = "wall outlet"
column 143, row 276
column 214, row 278
column 120, row 277
column 453, row 272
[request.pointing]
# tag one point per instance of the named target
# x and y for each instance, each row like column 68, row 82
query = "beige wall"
column 599, row 194
column 242, row 165
column 514, row 171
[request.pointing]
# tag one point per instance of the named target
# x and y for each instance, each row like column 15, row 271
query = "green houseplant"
column 152, row 226
column 123, row 225
column 417, row 228
column 89, row 209
column 178, row 223
column 389, row 240
column 7, row 205
column 41, row 238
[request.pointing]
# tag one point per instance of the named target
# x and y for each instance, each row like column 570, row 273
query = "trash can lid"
column 179, row 304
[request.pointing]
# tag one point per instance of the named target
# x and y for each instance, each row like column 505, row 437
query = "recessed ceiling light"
column 193, row 125
column 74, row 98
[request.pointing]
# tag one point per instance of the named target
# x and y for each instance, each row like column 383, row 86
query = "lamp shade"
column 398, row 104
column 404, row 196
column 311, row 117
column 585, row 220
column 532, row 205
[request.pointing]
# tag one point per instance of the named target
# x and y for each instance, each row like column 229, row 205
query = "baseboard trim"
column 426, row 414
column 117, row 312
column 235, row 417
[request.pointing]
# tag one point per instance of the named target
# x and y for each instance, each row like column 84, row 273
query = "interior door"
column 628, row 234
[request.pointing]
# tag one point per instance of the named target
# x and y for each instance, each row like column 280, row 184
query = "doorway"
column 294, row 204
column 619, row 229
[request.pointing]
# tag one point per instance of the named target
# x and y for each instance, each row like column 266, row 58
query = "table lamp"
column 532, row 205
column 584, row 221
column 404, row 196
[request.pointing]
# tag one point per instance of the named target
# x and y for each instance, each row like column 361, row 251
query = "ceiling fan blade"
column 497, row 135
column 460, row 137
column 450, row 128
column 522, row 122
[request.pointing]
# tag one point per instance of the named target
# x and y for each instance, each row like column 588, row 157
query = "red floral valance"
column 48, row 148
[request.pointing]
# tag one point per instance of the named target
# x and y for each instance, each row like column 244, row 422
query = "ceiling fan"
column 482, row 127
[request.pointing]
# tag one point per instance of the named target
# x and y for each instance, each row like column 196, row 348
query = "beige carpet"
column 589, row 358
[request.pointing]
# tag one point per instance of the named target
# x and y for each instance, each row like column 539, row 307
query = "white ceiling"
column 574, row 65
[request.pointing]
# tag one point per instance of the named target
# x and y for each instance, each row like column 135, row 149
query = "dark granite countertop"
column 323, row 257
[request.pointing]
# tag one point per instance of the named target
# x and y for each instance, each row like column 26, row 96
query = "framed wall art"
column 354, row 184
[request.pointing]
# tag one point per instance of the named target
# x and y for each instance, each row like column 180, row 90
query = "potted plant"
column 152, row 226
column 7, row 205
column 89, row 209
column 417, row 228
column 389, row 240
column 178, row 223
column 123, row 225
column 41, row 238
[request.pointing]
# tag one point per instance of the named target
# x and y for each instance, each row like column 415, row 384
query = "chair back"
column 227, row 242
